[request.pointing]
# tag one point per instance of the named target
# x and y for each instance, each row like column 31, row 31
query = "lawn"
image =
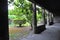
column 18, row 33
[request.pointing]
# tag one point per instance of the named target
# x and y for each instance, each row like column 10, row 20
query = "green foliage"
column 12, row 16
column 20, row 22
column 23, row 11
column 39, row 14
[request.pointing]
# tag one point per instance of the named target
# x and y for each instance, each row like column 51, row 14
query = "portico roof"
column 51, row 5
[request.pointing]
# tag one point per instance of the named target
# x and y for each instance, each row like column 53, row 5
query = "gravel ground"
column 18, row 33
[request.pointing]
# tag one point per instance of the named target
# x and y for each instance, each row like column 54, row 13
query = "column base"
column 39, row 29
column 51, row 23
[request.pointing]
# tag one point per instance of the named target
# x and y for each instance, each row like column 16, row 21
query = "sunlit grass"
column 26, row 24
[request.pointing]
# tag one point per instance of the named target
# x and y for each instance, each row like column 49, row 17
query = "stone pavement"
column 51, row 33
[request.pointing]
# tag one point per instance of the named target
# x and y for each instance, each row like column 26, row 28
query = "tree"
column 22, row 10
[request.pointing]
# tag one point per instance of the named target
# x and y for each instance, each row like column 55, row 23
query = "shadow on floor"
column 51, row 33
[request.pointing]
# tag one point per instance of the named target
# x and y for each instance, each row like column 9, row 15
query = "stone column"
column 51, row 19
column 47, row 17
column 44, row 19
column 34, row 19
column 41, row 28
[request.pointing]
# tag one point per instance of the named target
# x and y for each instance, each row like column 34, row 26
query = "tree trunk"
column 20, row 25
column 31, row 26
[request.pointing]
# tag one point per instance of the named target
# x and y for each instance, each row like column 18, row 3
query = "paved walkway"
column 51, row 33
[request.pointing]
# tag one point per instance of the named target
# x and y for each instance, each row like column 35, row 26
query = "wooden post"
column 34, row 18
column 4, row 35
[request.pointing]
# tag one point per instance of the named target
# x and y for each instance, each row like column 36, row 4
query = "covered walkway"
column 52, row 32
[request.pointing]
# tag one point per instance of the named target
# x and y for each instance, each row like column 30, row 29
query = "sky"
column 10, row 7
